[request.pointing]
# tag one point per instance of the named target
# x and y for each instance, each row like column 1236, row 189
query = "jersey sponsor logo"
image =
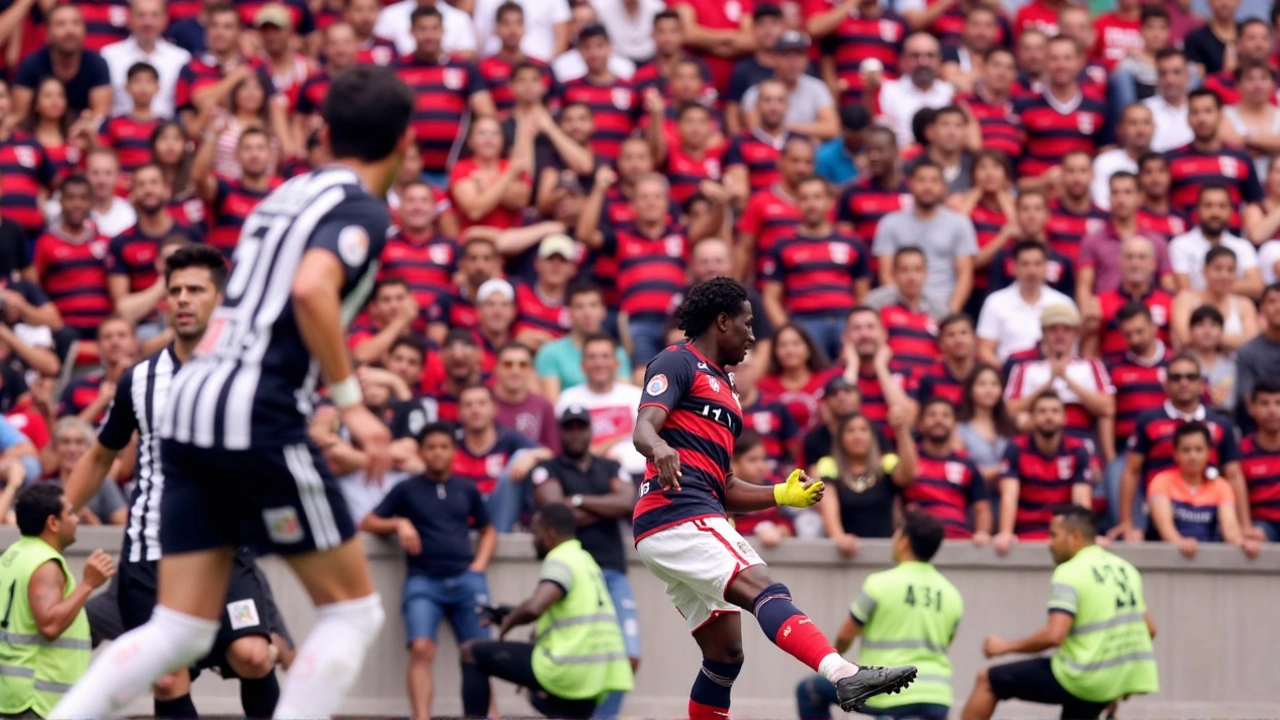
column 283, row 525
column 243, row 614
column 353, row 245
column 621, row 98
column 194, row 210
column 657, row 385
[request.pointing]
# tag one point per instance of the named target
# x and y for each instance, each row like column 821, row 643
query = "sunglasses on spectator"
column 515, row 364
column 1177, row 377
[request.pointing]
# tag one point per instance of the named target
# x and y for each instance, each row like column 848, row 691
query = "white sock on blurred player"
column 330, row 658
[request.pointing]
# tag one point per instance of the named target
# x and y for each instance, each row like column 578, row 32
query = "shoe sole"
column 855, row 704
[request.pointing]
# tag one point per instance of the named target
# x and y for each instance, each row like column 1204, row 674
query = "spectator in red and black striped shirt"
column 231, row 201
column 130, row 135
column 946, row 484
column 990, row 106
column 772, row 213
column 1137, row 372
column 25, row 171
column 910, row 320
column 340, row 49
column 694, row 155
column 614, row 102
column 1060, row 120
column 498, row 70
column 1209, row 160
column 69, row 261
column 869, row 32
column 880, row 191
column 1260, row 458
column 1073, row 215
column 751, row 161
column 370, row 49
column 105, row 22
column 542, row 313
column 1156, row 213
column 132, row 255
column 959, row 356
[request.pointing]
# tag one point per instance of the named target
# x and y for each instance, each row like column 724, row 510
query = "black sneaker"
column 870, row 681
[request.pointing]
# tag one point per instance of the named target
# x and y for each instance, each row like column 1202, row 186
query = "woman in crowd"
column 1240, row 316
column 751, row 464
column 247, row 109
column 170, row 150
column 71, row 440
column 51, row 124
column 861, row 486
column 1189, row 504
column 1254, row 122
column 985, row 424
column 1262, row 219
column 487, row 188
column 1217, row 367
column 991, row 207
column 797, row 371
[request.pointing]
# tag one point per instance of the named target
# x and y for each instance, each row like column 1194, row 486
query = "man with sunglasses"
column 519, row 408
column 1151, row 448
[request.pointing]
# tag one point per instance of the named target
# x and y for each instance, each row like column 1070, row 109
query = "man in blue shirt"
column 432, row 516
column 89, row 88
column 834, row 161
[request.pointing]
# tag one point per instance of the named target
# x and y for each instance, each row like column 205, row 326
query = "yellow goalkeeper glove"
column 793, row 492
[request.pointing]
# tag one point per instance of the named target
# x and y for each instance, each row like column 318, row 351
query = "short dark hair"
column 1188, row 429
column 854, row 118
column 223, row 8
column 1201, row 92
column 1207, row 313
column 387, row 282
column 666, row 15
column 1122, row 175
column 596, row 337
column 583, row 287
column 508, row 7
column 924, row 534
column 950, row 110
column 707, row 301
column 953, row 319
column 689, row 107
column 749, row 440
column 558, row 518
column 826, row 186
column 1153, row 12
column 459, row 335
column 526, row 66
column 1075, row 517
column 1272, row 288
column 437, row 428
column 593, row 30
column 1131, row 310
column 938, row 400
column 1219, row 251
column 1028, row 245
column 1209, row 187
column 924, row 164
column 920, row 123
column 79, row 180
column 410, row 342
column 367, row 110
column 1187, row 357
column 34, row 506
column 476, row 386
column 1148, row 157
column 139, row 68
column 1168, row 52
column 252, row 132
column 198, row 255
column 425, row 11
column 1264, row 386
column 909, row 250
column 766, row 10
column 998, row 49
column 514, row 346
column 1049, row 394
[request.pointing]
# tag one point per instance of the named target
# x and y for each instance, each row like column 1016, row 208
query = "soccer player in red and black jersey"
column 1073, row 215
column 869, row 33
column 1137, row 371
column 69, row 261
column 130, row 135
column 910, row 330
column 231, row 201
column 1209, row 160
column 340, row 48
column 615, row 104
column 1041, row 470
column 959, row 357
column 751, row 162
column 772, row 213
column 1156, row 213
column 25, row 171
column 1260, row 457
column 881, row 191
column 446, row 88
column 990, row 105
column 370, row 49
column 945, row 484
column 688, row 420
column 132, row 255
column 1060, row 120
column 497, row 69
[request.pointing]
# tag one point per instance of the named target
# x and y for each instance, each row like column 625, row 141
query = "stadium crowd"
column 998, row 252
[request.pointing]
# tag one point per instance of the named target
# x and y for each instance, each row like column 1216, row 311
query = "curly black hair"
column 705, row 303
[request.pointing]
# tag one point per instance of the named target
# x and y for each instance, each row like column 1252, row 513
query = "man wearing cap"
column 612, row 402
column 147, row 22
column 810, row 108
column 602, row 496
column 496, row 315
column 1010, row 317
column 288, row 68
column 919, row 86
column 540, row 305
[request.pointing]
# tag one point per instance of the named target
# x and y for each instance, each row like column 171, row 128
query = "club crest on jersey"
column 762, row 422
column 715, row 384
column 955, row 472
column 1066, row 468
column 712, row 166
column 1229, row 166
column 839, row 253
column 1085, row 121
column 381, row 55
column 440, row 254
column 674, row 245
column 353, row 245
column 25, row 156
column 453, row 78
column 494, row 463
column 194, row 210
column 118, row 15
column 733, row 10
column 621, row 98
column 1160, row 316
column 1053, row 271
column 890, row 31
column 98, row 248
column 1093, row 225
column 657, row 385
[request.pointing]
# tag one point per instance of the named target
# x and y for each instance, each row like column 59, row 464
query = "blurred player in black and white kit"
column 194, row 277
column 238, row 466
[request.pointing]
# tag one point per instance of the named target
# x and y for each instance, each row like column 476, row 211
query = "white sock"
column 834, row 667
column 128, row 667
column 330, row 658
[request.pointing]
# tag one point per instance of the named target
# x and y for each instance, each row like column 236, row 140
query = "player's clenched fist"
column 98, row 569
column 667, row 461
column 798, row 491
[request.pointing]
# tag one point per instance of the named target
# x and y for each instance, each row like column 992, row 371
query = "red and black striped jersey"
column 801, row 401
column 66, row 160
column 1139, row 388
column 189, row 211
column 987, row 224
column 1157, row 300
column 938, row 381
column 1044, row 481
column 874, row 405
column 777, row 429
column 1152, row 438
column 685, row 171
column 651, row 270
column 1059, row 271
column 483, row 467
column 376, row 51
column 1051, row 133
column 858, row 39
column 230, row 208
column 304, row 23
column 130, row 138
column 912, row 335
column 615, row 108
column 1067, row 228
column 24, row 170
column 443, row 88
column 768, row 217
column 179, row 10
column 760, row 154
column 105, row 21
column 1261, row 468
column 703, row 421
column 1224, row 84
column 427, row 264
column 945, row 487
column 648, row 76
column 535, row 312
column 74, row 274
column 865, row 202
column 1169, row 224
column 949, row 27
column 496, row 72
column 817, row 273
column 309, row 99
column 133, row 253
column 1000, row 125
column 1191, row 169
column 80, row 393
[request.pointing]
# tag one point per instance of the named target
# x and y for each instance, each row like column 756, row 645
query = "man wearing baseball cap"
column 540, row 305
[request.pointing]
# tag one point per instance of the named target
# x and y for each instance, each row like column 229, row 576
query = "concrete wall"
column 1219, row 630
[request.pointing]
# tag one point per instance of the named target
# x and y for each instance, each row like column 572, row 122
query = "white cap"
column 496, row 285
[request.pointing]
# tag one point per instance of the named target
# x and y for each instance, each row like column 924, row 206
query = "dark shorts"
column 273, row 500
column 249, row 610
column 1033, row 681
column 513, row 662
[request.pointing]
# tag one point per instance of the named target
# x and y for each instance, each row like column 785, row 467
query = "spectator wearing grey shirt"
column 1260, row 357
column 946, row 237
column 72, row 437
column 810, row 109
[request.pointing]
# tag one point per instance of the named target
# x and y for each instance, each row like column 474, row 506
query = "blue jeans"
column 437, row 181
column 648, row 338
column 428, row 600
column 1122, row 92
column 1270, row 529
column 816, row 695
column 825, row 329
column 507, row 501
column 624, row 602
column 1111, row 479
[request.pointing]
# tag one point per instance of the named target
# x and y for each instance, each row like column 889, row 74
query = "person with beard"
column 751, row 160
column 946, row 483
column 1098, row 271
column 231, row 201
column 88, row 396
column 68, row 259
column 771, row 213
column 879, row 191
column 1029, row 223
column 1059, row 120
column 478, row 262
column 1207, row 160
column 910, row 318
column 1040, row 470
column 1137, row 126
column 1010, row 319
column 1155, row 211
column 576, row 621
column 391, row 314
column 1187, row 252
column 1072, row 214
column 989, row 106
column 541, row 305
column 432, row 516
column 918, row 87
column 1137, row 260
column 602, row 497
column 461, row 356
column 958, row 349
column 418, row 253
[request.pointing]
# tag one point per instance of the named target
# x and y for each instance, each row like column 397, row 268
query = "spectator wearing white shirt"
column 810, row 108
column 570, row 65
column 1169, row 105
column 110, row 213
column 459, row 32
column 1010, row 318
column 546, row 27
column 630, row 26
column 147, row 21
column 1187, row 251
column 1136, row 128
column 612, row 403
column 917, row 88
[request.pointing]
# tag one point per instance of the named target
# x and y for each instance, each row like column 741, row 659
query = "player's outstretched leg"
column 755, row 590
column 720, row 640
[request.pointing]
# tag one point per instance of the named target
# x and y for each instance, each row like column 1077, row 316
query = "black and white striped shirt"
column 251, row 381
column 140, row 394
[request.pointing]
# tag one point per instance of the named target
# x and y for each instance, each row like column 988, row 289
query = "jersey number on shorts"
column 1119, row 577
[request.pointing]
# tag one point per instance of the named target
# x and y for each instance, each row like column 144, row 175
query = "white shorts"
column 698, row 560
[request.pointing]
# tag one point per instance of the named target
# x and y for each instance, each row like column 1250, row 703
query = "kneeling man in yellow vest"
column 577, row 655
column 44, row 631
column 1098, row 624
